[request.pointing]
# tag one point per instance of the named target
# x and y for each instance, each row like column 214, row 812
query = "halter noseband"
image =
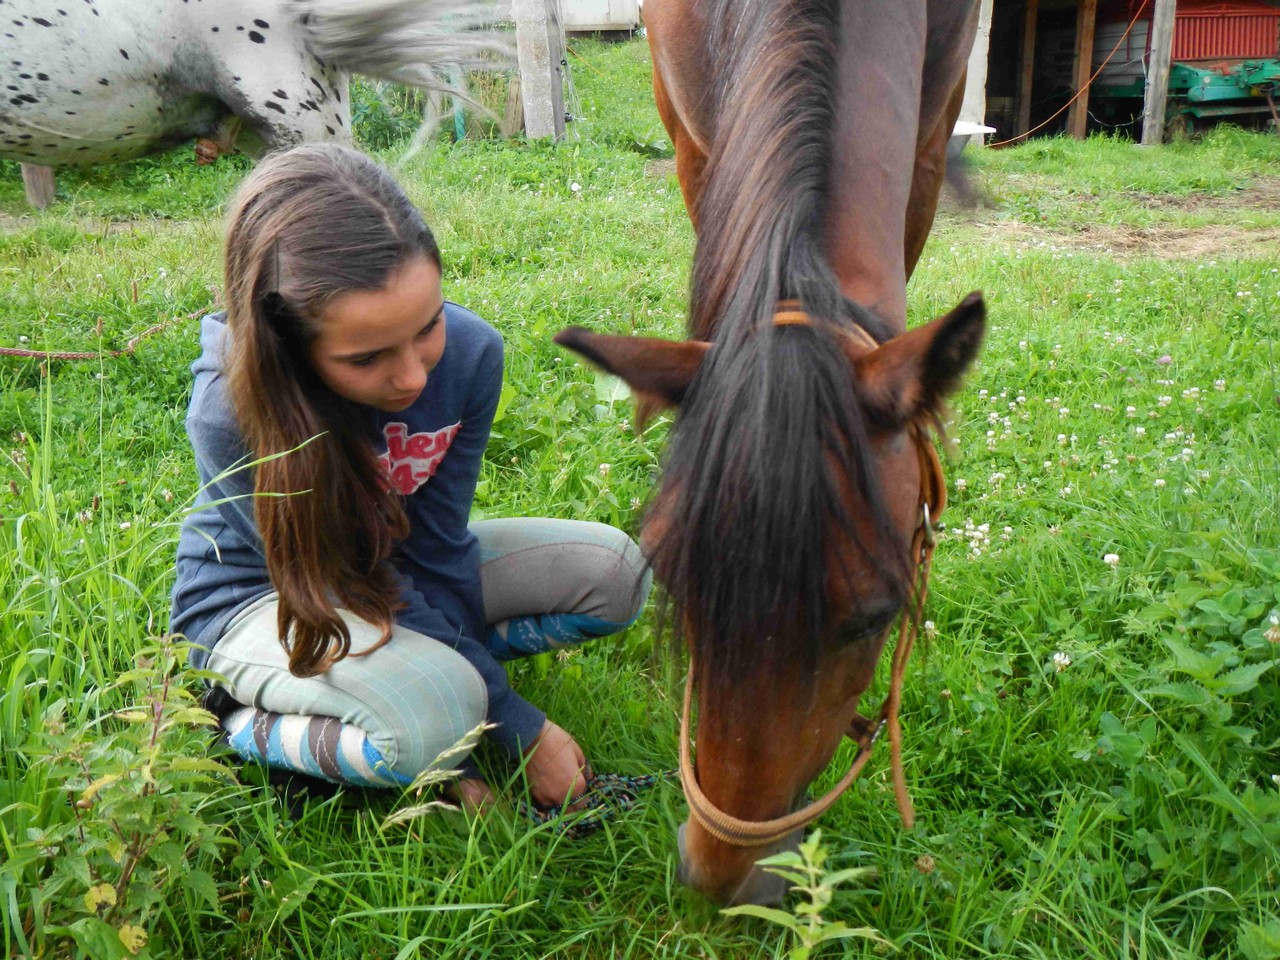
column 863, row 731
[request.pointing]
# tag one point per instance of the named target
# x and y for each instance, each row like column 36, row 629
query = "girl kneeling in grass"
column 356, row 615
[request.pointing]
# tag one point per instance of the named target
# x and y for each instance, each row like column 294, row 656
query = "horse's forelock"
column 772, row 441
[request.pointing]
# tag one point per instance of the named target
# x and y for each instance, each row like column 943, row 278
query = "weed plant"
column 1091, row 737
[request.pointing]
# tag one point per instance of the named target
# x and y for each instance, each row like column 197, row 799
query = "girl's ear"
column 910, row 374
column 657, row 371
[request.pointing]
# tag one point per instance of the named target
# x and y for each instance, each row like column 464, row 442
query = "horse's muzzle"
column 758, row 887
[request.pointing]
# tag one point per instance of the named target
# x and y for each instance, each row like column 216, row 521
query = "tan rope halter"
column 863, row 731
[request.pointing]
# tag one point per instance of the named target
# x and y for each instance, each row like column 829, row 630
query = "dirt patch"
column 1171, row 243
column 660, row 168
column 12, row 224
column 1262, row 194
column 93, row 226
column 1164, row 240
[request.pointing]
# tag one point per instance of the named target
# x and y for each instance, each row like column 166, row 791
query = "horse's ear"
column 911, row 373
column 657, row 371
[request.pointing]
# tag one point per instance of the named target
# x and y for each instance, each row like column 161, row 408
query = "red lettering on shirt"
column 412, row 459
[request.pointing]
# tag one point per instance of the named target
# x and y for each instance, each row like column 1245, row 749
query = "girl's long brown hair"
column 305, row 226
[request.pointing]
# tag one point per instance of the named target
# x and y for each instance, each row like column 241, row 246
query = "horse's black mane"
column 772, row 428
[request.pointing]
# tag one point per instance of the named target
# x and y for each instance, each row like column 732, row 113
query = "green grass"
column 1119, row 805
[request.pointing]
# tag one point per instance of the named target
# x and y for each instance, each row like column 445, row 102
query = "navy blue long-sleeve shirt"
column 432, row 454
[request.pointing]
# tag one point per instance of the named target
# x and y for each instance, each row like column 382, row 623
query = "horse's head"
column 784, row 531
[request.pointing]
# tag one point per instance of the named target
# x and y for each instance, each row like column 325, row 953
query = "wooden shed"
column 1040, row 53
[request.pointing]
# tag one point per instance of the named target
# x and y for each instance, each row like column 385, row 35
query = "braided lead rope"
column 129, row 346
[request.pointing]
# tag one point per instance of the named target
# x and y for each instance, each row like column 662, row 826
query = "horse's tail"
column 771, row 442
column 418, row 43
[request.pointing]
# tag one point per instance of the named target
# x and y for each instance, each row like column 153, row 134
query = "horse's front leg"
column 690, row 160
column 926, row 180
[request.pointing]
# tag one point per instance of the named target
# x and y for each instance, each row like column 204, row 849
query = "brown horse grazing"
column 793, row 513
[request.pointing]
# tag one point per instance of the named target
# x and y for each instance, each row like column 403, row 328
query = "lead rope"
column 128, row 348
column 923, row 548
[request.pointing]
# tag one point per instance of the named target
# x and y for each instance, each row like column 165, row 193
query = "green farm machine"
column 1236, row 90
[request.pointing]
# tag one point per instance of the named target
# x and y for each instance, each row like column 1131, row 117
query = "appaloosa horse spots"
column 93, row 81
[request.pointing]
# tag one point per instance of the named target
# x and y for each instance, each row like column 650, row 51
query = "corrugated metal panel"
column 1201, row 37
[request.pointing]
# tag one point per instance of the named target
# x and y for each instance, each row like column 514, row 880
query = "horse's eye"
column 870, row 621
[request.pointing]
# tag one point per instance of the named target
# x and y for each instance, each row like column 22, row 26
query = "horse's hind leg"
column 39, row 184
column 209, row 149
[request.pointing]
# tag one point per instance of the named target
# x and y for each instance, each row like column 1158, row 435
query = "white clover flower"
column 1111, row 559
column 961, row 483
column 930, row 630
column 604, row 469
column 1060, row 661
column 1159, row 482
column 126, row 525
column 575, row 186
column 1273, row 631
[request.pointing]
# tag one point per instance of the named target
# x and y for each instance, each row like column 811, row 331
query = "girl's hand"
column 472, row 795
column 555, row 767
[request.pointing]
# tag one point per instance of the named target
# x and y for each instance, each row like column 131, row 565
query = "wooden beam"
column 538, row 51
column 974, row 106
column 513, row 118
column 1026, row 66
column 39, row 184
column 1086, row 20
column 1153, row 108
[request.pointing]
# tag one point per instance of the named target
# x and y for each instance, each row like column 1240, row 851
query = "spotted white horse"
column 96, row 81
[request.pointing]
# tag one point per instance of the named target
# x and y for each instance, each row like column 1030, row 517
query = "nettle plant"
column 1211, row 699
column 806, row 871
column 136, row 794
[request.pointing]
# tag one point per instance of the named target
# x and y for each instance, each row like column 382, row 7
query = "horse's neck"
column 899, row 64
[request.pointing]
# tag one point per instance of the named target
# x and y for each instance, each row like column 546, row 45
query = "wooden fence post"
column 39, row 184
column 1157, row 92
column 974, row 107
column 1086, row 20
column 539, row 52
column 1026, row 68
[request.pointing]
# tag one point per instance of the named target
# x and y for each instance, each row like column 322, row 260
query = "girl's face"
column 377, row 347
